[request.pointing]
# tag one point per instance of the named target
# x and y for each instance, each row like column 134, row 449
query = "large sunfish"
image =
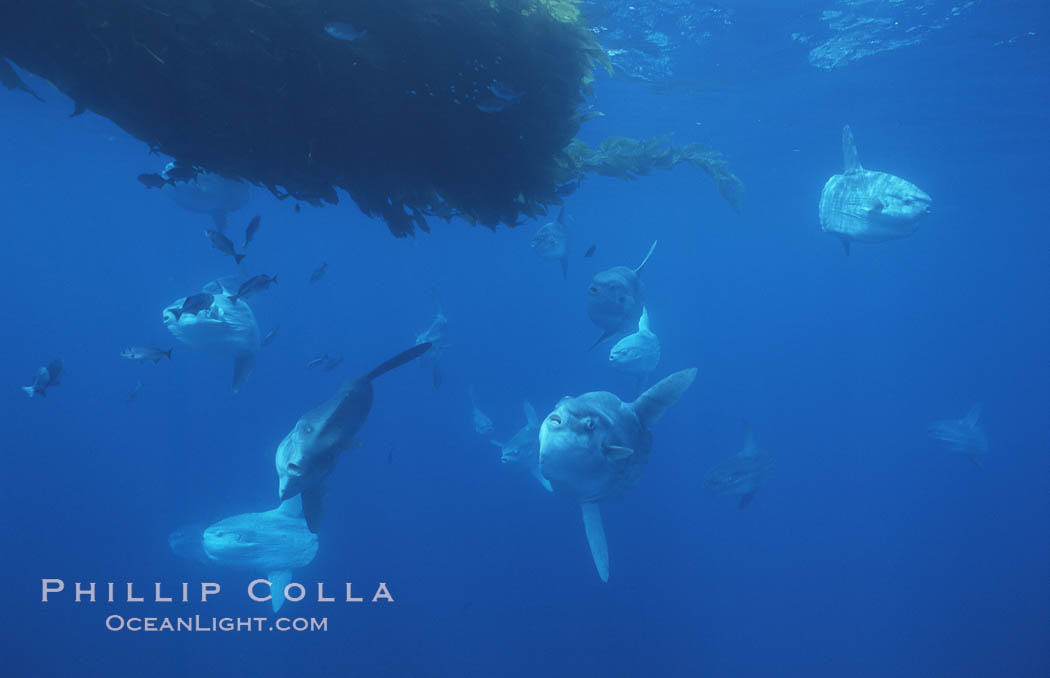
column 594, row 448
column 616, row 297
column 963, row 435
column 553, row 241
column 742, row 474
column 865, row 206
column 308, row 454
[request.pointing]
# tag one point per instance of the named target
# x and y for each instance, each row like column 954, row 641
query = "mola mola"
column 742, row 474
column 308, row 454
column 616, row 297
column 208, row 194
column 224, row 327
column 963, row 435
column 524, row 448
column 553, row 241
column 594, row 448
column 482, row 423
column 273, row 543
column 637, row 353
column 868, row 206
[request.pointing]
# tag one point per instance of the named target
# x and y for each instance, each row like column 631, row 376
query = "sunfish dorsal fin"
column 643, row 322
column 592, row 524
column 645, row 261
column 661, row 395
column 850, row 160
column 530, row 415
column 398, row 360
column 278, row 580
column 972, row 416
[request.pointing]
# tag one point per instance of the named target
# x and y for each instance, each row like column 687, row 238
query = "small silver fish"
column 143, row 354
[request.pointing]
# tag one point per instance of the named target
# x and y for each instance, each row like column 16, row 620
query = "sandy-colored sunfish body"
column 963, row 435
column 742, row 474
column 273, row 543
column 637, row 353
column 224, row 327
column 308, row 454
column 594, row 448
column 865, row 206
column 553, row 241
column 524, row 448
column 616, row 297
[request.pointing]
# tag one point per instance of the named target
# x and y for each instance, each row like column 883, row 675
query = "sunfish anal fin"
column 313, row 506
column 592, row 524
column 278, row 580
column 243, row 364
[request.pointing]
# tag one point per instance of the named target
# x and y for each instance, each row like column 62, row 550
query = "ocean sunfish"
column 865, row 206
column 742, row 474
column 482, row 423
column 224, row 328
column 209, row 194
column 524, row 448
column 615, row 298
column 637, row 353
column 308, row 454
column 963, row 435
column 271, row 543
column 594, row 447
column 553, row 241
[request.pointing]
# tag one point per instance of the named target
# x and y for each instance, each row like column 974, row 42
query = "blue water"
column 870, row 552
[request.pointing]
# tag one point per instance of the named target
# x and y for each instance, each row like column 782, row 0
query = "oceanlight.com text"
column 196, row 623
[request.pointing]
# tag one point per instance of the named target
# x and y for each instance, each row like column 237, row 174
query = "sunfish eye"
column 589, row 423
column 594, row 289
column 623, row 299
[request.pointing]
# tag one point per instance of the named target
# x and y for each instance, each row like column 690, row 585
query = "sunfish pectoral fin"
column 618, row 452
column 661, row 395
column 746, row 498
column 278, row 580
column 243, row 364
column 313, row 506
column 850, row 160
column 30, row 391
column 605, row 335
column 592, row 524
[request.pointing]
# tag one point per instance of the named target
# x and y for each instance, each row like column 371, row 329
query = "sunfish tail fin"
column 850, row 160
column 973, row 415
column 645, row 261
column 592, row 525
column 278, row 580
column 398, row 360
column 661, row 395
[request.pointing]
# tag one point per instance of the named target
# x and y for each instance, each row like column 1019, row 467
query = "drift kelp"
column 415, row 108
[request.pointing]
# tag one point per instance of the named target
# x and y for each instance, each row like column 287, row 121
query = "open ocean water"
column 870, row 549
